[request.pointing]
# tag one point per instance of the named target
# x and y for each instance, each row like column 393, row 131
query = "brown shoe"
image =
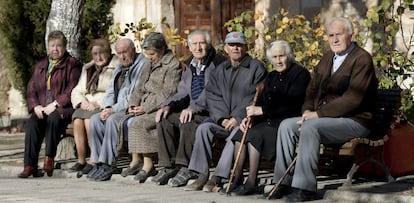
column 196, row 185
column 30, row 171
column 48, row 165
column 209, row 186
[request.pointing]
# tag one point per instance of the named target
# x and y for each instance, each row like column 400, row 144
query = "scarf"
column 52, row 64
column 93, row 78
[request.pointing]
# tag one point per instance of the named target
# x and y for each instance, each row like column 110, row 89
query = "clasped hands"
column 106, row 113
column 89, row 106
column 41, row 111
column 135, row 110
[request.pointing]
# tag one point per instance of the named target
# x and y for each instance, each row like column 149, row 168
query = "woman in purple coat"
column 49, row 105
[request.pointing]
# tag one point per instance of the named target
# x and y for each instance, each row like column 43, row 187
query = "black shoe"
column 132, row 170
column 244, row 189
column 299, row 195
column 164, row 175
column 279, row 193
column 103, row 174
column 233, row 187
column 143, row 175
column 106, row 175
column 181, row 178
column 77, row 167
column 86, row 169
column 92, row 172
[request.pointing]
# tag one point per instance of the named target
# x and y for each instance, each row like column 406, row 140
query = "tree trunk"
column 4, row 88
column 65, row 16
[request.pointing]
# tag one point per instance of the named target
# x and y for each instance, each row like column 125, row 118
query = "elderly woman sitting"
column 282, row 97
column 88, row 95
column 159, row 80
column 49, row 105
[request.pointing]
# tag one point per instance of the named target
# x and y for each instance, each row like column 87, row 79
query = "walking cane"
column 259, row 89
column 273, row 190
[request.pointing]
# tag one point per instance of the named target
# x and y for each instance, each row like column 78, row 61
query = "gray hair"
column 57, row 34
column 283, row 44
column 131, row 44
column 155, row 41
column 200, row 32
column 348, row 24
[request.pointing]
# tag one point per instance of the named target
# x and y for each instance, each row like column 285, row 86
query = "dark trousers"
column 50, row 129
column 176, row 140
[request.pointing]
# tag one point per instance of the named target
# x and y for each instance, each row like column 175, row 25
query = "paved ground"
column 65, row 187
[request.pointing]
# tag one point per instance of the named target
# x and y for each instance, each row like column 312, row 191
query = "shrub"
column 23, row 28
column 309, row 42
column 382, row 25
column 22, row 37
column 96, row 20
column 307, row 38
column 140, row 29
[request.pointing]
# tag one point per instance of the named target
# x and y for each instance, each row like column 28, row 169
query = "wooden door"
column 208, row 15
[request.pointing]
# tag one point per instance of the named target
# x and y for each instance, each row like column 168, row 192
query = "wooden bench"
column 363, row 150
column 371, row 149
column 366, row 150
column 66, row 149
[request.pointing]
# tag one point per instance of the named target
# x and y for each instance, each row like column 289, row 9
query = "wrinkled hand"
column 243, row 125
column 186, row 115
column 93, row 106
column 135, row 110
column 38, row 110
column 254, row 111
column 50, row 108
column 307, row 115
column 106, row 113
column 84, row 105
column 162, row 112
column 89, row 106
column 229, row 124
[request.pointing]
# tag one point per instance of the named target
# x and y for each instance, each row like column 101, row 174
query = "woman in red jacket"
column 49, row 105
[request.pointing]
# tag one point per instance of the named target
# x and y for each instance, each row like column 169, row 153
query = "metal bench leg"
column 350, row 175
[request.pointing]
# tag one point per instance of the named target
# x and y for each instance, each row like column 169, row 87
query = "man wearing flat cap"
column 231, row 89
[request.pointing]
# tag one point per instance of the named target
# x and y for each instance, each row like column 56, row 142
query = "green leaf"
column 378, row 35
column 248, row 16
column 375, row 17
column 239, row 27
column 238, row 19
column 386, row 4
column 248, row 32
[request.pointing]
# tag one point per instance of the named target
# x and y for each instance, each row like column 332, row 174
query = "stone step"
column 11, row 139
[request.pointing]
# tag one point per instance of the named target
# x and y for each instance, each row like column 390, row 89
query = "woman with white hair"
column 282, row 97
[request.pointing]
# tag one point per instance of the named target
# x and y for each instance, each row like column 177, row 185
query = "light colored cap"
column 235, row 38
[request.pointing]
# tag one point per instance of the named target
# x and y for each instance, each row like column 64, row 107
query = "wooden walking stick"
column 259, row 89
column 273, row 190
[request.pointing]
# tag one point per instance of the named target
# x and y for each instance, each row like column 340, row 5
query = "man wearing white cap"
column 231, row 89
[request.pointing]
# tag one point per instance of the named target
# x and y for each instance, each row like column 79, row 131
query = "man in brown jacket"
column 337, row 108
